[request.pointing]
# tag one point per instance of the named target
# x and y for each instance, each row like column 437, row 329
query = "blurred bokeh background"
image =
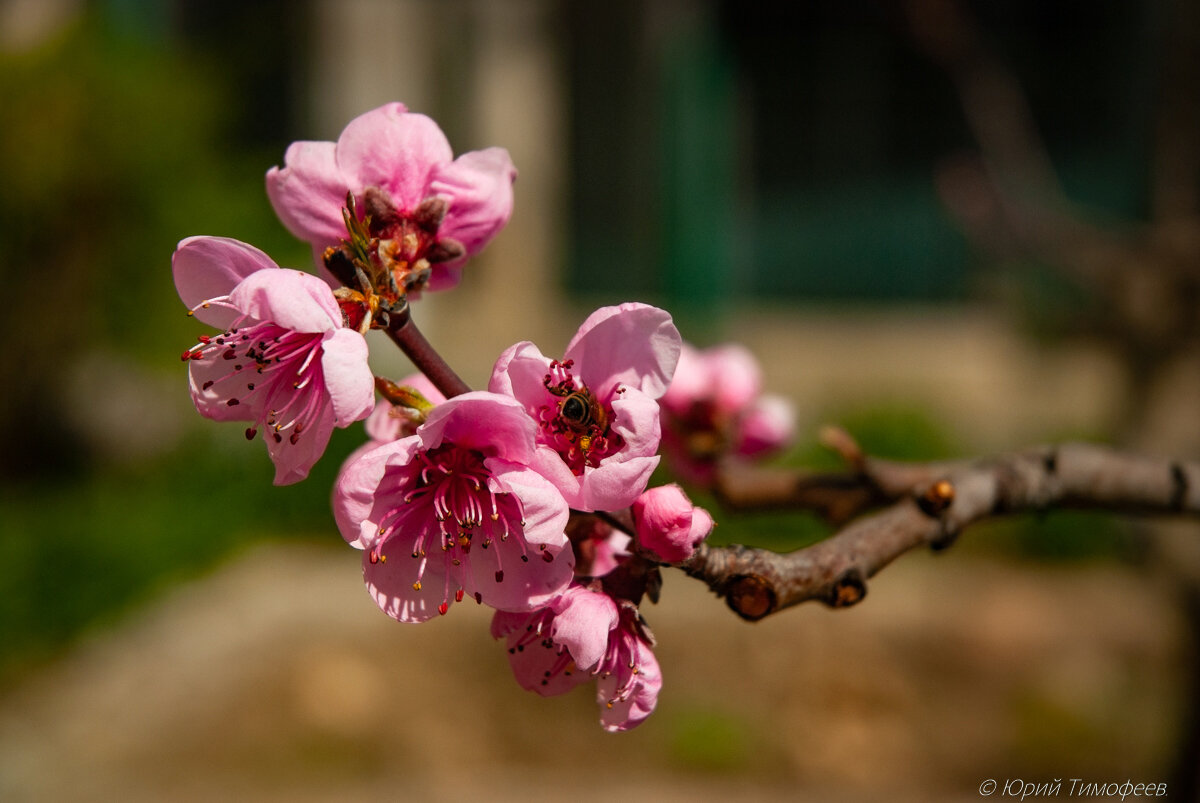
column 953, row 227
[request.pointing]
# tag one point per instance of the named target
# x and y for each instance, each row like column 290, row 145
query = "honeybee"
column 581, row 414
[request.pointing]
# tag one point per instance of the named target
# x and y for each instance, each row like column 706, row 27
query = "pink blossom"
column 427, row 210
column 766, row 425
column 285, row 361
column 668, row 524
column 599, row 547
column 714, row 407
column 586, row 635
column 597, row 414
column 453, row 510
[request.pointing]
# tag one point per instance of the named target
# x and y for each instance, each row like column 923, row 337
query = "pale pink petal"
column 537, row 663
column 348, row 377
column 392, row 149
column 632, row 711
column 212, row 385
column 293, row 461
column 493, row 424
column 390, row 584
column 543, row 510
column 736, row 378
column 635, row 345
column 308, row 193
column 582, row 622
column 356, row 485
column 292, row 299
column 691, row 382
column 479, row 187
column 614, row 485
column 210, row 267
column 518, row 373
column 769, row 425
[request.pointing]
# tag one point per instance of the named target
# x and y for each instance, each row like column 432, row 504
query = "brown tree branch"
column 929, row 505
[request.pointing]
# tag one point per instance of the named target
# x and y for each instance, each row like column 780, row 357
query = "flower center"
column 440, row 503
column 575, row 422
column 272, row 370
column 389, row 252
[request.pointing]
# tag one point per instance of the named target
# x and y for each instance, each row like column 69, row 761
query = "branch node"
column 936, row 499
column 847, row 590
column 842, row 442
column 750, row 596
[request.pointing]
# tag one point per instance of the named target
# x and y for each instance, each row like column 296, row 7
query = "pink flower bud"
column 668, row 524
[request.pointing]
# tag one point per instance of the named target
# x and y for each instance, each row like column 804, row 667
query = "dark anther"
column 378, row 206
column 750, row 597
column 936, row 499
column 1050, row 461
column 430, row 212
column 847, row 590
column 445, row 250
column 341, row 266
column 1179, row 487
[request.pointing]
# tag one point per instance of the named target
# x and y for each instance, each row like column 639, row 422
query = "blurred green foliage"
column 116, row 145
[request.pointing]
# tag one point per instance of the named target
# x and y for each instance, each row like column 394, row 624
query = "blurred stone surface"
column 276, row 678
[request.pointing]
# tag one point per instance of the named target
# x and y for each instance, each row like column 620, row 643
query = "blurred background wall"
column 953, row 227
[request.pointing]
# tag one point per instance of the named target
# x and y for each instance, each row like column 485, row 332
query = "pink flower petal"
column 635, row 345
column 735, row 376
column 354, row 490
column 393, row 149
column 293, row 299
column 582, row 622
column 630, row 712
column 308, row 193
column 210, row 267
column 479, row 187
column 495, row 425
column 768, row 425
column 348, row 378
column 293, row 461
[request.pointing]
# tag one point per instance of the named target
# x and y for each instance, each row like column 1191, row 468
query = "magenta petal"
column 479, row 187
column 308, row 193
column 633, row 344
column 393, row 149
column 210, row 267
column 348, row 377
column 582, row 623
column 292, row 299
